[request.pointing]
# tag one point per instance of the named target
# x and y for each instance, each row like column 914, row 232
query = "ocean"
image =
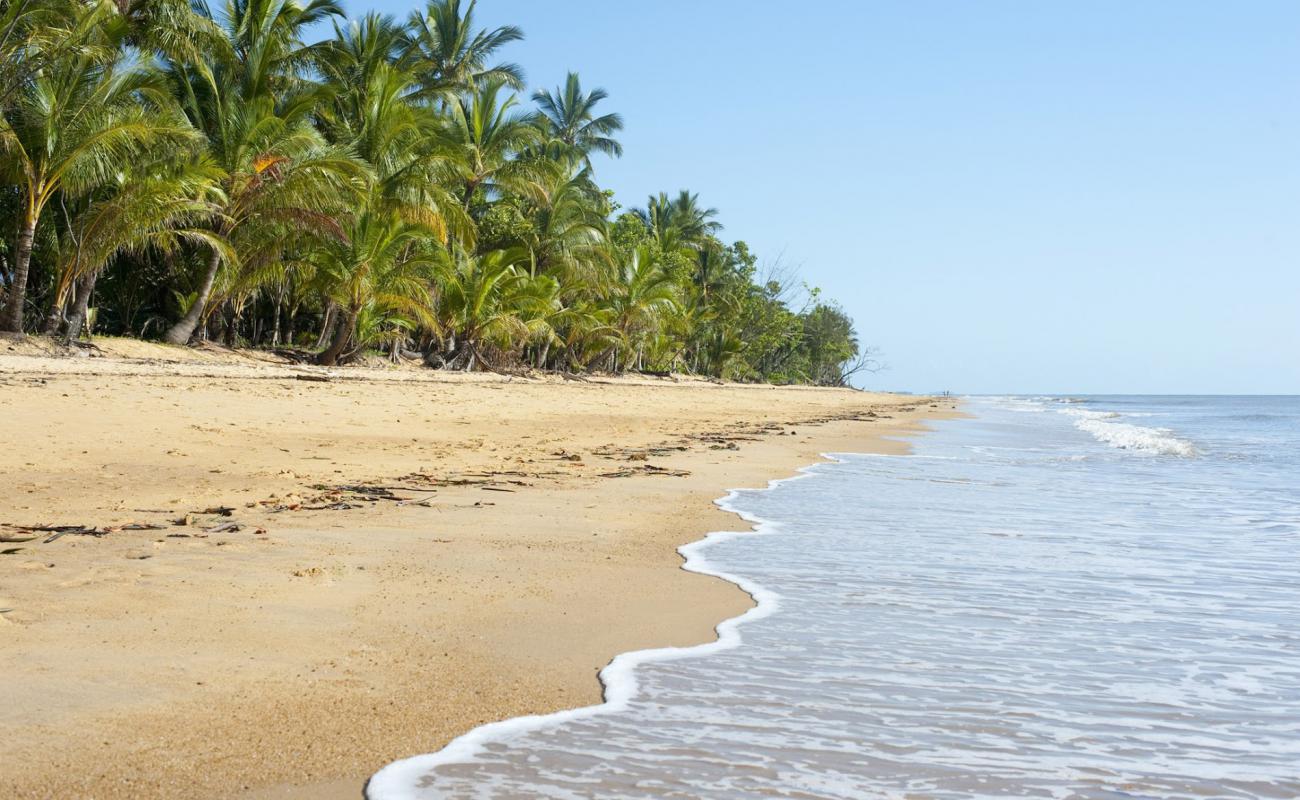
column 1088, row 597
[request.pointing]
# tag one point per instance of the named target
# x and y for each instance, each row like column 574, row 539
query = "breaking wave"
column 1126, row 436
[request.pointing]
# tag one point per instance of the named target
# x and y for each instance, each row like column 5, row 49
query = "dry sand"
column 181, row 662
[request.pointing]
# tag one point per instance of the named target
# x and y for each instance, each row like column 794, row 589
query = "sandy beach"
column 286, row 577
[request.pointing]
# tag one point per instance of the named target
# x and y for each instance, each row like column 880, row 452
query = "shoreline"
column 298, row 662
column 618, row 677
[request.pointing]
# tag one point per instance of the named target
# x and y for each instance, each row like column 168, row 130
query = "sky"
column 1064, row 197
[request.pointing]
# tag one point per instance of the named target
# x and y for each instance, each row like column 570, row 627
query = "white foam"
column 402, row 780
column 1125, row 436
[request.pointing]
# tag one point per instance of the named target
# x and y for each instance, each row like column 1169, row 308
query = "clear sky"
column 1006, row 196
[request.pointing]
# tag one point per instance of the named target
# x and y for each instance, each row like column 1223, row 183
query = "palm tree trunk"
column 326, row 325
column 55, row 319
column 13, row 312
column 342, row 335
column 289, row 314
column 81, row 306
column 182, row 331
column 232, row 327
column 275, row 329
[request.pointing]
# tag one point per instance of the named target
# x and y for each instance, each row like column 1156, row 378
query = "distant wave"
column 1122, row 435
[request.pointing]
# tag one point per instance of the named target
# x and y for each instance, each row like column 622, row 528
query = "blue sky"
column 1007, row 196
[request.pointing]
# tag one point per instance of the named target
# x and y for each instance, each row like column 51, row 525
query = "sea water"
column 1059, row 597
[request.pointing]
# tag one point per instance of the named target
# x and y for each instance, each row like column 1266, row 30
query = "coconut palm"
column 488, row 305
column 155, row 208
column 484, row 137
column 392, row 250
column 569, row 118
column 382, row 186
column 71, row 127
column 641, row 294
column 281, row 179
column 450, row 57
column 32, row 34
column 679, row 222
column 372, row 112
column 171, row 28
column 386, row 267
column 567, row 234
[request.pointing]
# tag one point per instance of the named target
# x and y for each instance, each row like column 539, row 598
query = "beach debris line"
column 414, row 489
column 27, row 533
column 421, row 488
column 639, row 453
column 646, row 469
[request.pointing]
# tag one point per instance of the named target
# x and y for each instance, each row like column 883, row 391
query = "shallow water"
column 1056, row 599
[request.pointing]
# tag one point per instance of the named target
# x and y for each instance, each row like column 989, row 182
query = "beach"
column 286, row 577
column 1083, row 596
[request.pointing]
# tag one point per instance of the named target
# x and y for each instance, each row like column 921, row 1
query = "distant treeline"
column 174, row 172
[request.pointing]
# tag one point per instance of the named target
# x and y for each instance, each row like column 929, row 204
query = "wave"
column 409, row 778
column 1126, row 436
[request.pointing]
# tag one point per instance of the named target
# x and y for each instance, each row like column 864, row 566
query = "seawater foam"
column 1126, row 436
column 403, row 780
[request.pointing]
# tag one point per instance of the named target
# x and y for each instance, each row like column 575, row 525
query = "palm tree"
column 488, row 304
column 484, row 137
column 172, row 29
column 32, row 34
column 569, row 118
column 385, row 267
column 695, row 223
column 74, row 124
column 158, row 207
column 450, row 57
column 391, row 250
column 642, row 293
column 279, row 175
column 567, row 235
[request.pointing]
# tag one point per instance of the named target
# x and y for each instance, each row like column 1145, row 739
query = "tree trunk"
column 289, row 314
column 55, row 319
column 326, row 326
column 232, row 329
column 275, row 329
column 81, row 306
column 181, row 332
column 342, row 335
column 13, row 312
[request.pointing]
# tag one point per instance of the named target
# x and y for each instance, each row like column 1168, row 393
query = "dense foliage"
column 189, row 173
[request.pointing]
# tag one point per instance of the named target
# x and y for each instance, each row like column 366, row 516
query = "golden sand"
column 530, row 537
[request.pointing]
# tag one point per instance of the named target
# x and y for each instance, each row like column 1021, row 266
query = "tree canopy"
column 207, row 172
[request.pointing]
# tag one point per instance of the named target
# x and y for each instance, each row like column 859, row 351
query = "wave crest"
column 1125, row 436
